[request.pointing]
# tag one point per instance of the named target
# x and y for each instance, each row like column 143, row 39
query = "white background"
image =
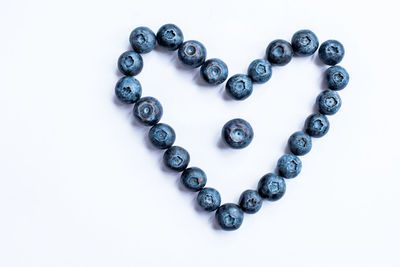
column 81, row 186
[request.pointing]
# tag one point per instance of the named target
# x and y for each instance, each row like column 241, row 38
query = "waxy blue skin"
column 317, row 125
column 331, row 52
column 194, row 179
column 162, row 136
column 209, row 199
column 239, row 86
column 289, row 166
column 229, row 216
column 170, row 37
column 148, row 111
column 214, row 71
column 271, row 187
column 142, row 39
column 260, row 71
column 176, row 158
column 329, row 102
column 192, row 53
column 279, row 52
column 130, row 63
column 304, row 43
column 300, row 143
column 250, row 201
column 128, row 90
column 336, row 77
column 237, row 133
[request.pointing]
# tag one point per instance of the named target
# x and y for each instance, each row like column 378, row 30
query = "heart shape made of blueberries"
column 237, row 133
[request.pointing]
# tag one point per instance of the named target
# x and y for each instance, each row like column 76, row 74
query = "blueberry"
column 128, row 90
column 229, row 216
column 317, row 125
column 176, row 158
column 336, row 77
column 329, row 102
column 300, row 143
column 331, row 52
column 170, row 37
column 194, row 178
column 239, row 86
column 279, row 52
column 192, row 53
column 130, row 63
column 259, row 71
column 304, row 43
column 250, row 201
column 289, row 166
column 142, row 40
column 148, row 111
column 162, row 136
column 271, row 187
column 214, row 71
column 237, row 133
column 209, row 199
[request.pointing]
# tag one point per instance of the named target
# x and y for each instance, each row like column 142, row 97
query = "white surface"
column 79, row 185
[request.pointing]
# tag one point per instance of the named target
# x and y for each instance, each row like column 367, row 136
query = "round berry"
column 209, row 199
column 289, row 166
column 329, row 102
column 128, row 90
column 176, row 158
column 259, row 71
column 331, row 52
column 304, row 43
column 130, row 63
column 237, row 133
column 317, row 125
column 170, row 37
column 148, row 111
column 142, row 40
column 214, row 71
column 279, row 52
column 192, row 53
column 250, row 201
column 162, row 136
column 194, row 178
column 336, row 78
column 300, row 143
column 239, row 86
column 229, row 216
column 271, row 187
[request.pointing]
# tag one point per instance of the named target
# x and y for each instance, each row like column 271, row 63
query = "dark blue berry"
column 279, row 52
column 214, row 71
column 250, row 201
column 128, row 90
column 300, row 143
column 209, row 199
column 176, row 158
column 229, row 216
column 148, row 111
column 162, row 136
column 336, row 78
column 289, row 166
column 304, row 43
column 331, row 52
column 194, row 178
column 170, row 36
column 329, row 102
column 237, row 133
column 142, row 40
column 271, row 187
column 317, row 125
column 130, row 63
column 239, row 86
column 192, row 53
column 259, row 71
